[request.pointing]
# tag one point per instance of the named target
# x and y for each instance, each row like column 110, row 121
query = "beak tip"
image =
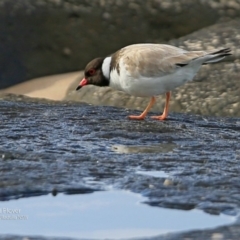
column 82, row 83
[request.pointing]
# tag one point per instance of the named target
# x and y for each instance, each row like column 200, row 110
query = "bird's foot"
column 140, row 117
column 162, row 117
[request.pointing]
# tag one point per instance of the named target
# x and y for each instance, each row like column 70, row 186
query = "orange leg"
column 165, row 112
column 144, row 113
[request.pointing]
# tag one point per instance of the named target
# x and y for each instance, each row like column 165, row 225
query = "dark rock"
column 35, row 134
column 46, row 37
column 53, row 147
column 215, row 90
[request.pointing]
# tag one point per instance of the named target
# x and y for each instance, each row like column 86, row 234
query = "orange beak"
column 82, row 83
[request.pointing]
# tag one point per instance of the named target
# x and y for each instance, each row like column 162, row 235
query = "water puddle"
column 156, row 174
column 160, row 148
column 110, row 214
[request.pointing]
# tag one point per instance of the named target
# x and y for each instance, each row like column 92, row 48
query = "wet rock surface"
column 52, row 147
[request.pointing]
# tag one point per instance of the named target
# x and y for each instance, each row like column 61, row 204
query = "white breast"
column 148, row 86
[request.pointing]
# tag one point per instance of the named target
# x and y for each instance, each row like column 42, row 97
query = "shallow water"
column 100, row 215
column 160, row 148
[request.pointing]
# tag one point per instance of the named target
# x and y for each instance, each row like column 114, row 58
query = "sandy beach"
column 52, row 87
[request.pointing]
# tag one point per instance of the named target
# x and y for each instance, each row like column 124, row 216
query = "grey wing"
column 151, row 60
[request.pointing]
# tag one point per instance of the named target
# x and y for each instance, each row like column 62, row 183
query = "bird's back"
column 152, row 60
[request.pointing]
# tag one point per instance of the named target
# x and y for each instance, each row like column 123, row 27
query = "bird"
column 148, row 70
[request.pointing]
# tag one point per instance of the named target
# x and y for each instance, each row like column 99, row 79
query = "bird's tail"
column 217, row 55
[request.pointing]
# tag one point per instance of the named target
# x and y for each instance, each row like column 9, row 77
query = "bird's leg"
column 165, row 112
column 144, row 113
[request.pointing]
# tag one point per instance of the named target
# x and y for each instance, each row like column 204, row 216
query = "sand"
column 50, row 87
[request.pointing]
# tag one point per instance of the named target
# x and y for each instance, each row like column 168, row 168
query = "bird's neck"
column 106, row 67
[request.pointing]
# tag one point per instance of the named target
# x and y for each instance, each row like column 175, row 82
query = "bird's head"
column 93, row 74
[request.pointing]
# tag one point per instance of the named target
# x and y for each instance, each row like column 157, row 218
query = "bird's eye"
column 91, row 71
